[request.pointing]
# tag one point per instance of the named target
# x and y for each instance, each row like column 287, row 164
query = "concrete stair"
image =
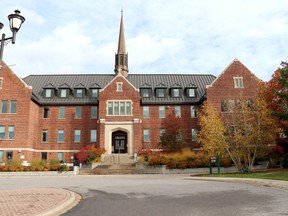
column 115, row 164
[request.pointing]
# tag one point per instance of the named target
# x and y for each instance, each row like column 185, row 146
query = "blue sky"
column 176, row 36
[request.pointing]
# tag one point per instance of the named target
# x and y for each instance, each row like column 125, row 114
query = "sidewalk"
column 281, row 185
column 39, row 201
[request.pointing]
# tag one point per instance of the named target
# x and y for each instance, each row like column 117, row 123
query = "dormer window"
column 175, row 92
column 94, row 93
column 63, row 93
column 160, row 92
column 48, row 93
column 79, row 93
column 145, row 92
column 191, row 92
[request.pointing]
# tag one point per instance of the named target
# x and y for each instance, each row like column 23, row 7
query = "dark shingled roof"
column 153, row 81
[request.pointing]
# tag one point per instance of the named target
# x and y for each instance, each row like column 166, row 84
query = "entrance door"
column 119, row 142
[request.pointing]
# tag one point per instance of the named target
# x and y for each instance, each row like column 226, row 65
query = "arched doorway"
column 119, row 142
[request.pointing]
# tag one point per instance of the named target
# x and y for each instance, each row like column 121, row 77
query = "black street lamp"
column 15, row 21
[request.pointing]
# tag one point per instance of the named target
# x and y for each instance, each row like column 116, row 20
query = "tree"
column 90, row 154
column 174, row 135
column 251, row 129
column 212, row 134
column 244, row 131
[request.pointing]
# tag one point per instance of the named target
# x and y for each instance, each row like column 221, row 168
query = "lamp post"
column 15, row 21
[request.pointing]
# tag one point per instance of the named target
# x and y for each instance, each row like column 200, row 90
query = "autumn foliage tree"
column 89, row 153
column 174, row 135
column 244, row 131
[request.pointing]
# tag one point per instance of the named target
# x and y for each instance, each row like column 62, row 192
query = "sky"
column 162, row 37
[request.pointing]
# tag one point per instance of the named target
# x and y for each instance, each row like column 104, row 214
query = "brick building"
column 53, row 116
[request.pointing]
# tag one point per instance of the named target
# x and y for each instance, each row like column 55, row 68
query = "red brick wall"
column 223, row 87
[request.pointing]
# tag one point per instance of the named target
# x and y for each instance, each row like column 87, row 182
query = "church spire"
column 121, row 57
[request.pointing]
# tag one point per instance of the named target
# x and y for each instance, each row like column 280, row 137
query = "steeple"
column 121, row 57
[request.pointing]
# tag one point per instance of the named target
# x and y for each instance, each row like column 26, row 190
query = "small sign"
column 213, row 159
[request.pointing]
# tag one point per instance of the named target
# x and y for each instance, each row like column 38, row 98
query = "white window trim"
column 113, row 101
column 238, row 82
column 119, row 87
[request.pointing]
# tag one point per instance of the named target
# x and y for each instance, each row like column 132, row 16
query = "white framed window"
column 177, row 111
column 93, row 135
column 46, row 112
column 193, row 112
column 4, row 106
column 79, row 93
column 61, row 112
column 60, row 156
column 194, row 134
column 146, row 135
column 175, row 92
column 238, row 82
column 146, row 113
column 60, row 135
column 77, row 136
column 119, row 86
column 48, row 93
column 161, row 111
column 191, row 92
column 119, row 108
column 93, row 112
column 78, row 112
column 145, row 93
column 94, row 93
column 11, row 133
column 13, row 105
column 63, row 93
column 2, row 132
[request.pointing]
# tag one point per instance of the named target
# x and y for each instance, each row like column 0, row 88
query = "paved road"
column 167, row 195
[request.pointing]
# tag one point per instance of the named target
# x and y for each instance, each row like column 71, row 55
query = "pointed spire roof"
column 121, row 41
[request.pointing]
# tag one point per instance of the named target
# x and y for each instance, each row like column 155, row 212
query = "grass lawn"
column 269, row 174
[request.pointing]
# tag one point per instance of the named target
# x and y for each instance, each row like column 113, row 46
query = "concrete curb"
column 277, row 184
column 66, row 205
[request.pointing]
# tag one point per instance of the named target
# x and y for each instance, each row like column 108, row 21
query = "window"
column 191, row 92
column 1, row 82
column 4, row 106
column 9, row 155
column 1, row 156
column 79, row 93
column 224, row 106
column 60, row 135
column 121, row 108
column 61, row 112
column 231, row 105
column 2, row 132
column 94, row 93
column 13, row 105
column 177, row 111
column 11, row 132
column 145, row 111
column 238, row 82
column 48, row 93
column 194, row 134
column 145, row 93
column 78, row 112
column 44, row 156
column 193, row 112
column 63, row 93
column 161, row 111
column 46, row 112
column 60, row 156
column 93, row 112
column 93, row 135
column 175, row 93
column 146, row 135
column 77, row 136
column 119, row 87
column 45, row 135
column 162, row 131
column 160, row 92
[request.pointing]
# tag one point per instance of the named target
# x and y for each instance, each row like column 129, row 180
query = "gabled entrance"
column 119, row 142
